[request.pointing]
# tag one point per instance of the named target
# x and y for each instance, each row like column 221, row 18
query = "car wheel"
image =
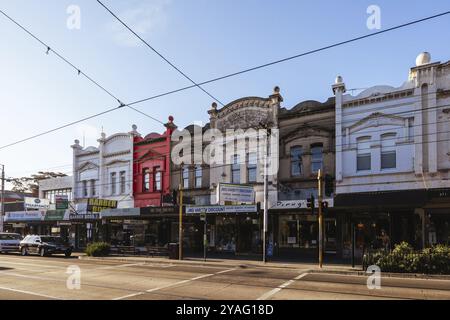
column 42, row 252
column 68, row 253
column 24, row 251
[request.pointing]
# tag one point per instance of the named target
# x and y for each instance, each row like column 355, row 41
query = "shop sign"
column 36, row 203
column 235, row 193
column 63, row 223
column 221, row 209
column 24, row 216
column 85, row 217
column 299, row 204
column 55, row 215
column 61, row 201
column 158, row 210
column 122, row 212
column 97, row 205
column 19, row 225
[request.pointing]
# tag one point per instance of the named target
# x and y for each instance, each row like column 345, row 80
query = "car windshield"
column 10, row 237
column 57, row 240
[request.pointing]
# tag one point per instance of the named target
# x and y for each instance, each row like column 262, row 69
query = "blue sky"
column 206, row 39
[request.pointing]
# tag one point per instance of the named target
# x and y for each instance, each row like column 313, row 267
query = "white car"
column 9, row 242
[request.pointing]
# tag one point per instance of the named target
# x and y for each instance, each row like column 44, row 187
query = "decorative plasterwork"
column 377, row 119
column 243, row 103
column 306, row 131
column 116, row 136
column 376, row 97
column 115, row 154
column 87, row 166
column 114, row 162
column 151, row 154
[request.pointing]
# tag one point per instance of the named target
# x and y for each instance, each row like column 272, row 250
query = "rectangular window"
column 122, row 182
column 85, row 188
column 93, row 191
column 296, row 161
column 146, row 179
column 186, row 178
column 251, row 167
column 198, row 176
column 388, row 153
column 236, row 170
column 157, row 179
column 113, row 183
column 363, row 158
column 316, row 158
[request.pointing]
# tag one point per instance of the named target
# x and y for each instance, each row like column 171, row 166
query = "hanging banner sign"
column 97, row 205
column 221, row 209
column 61, row 201
column 235, row 193
column 36, row 203
column 24, row 216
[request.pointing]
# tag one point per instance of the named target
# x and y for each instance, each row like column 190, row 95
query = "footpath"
column 304, row 267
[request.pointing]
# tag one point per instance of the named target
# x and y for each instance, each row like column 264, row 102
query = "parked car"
column 9, row 242
column 45, row 246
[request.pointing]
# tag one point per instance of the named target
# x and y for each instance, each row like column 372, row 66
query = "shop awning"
column 401, row 198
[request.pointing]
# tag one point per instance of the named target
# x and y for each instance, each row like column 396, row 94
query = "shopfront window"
column 298, row 232
column 226, row 234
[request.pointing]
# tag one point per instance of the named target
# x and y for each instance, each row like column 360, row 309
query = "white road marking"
column 173, row 284
column 272, row 292
column 30, row 293
column 32, row 265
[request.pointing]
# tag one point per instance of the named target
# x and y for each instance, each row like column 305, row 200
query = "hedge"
column 98, row 249
column 404, row 259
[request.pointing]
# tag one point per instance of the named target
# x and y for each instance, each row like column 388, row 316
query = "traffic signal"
column 329, row 187
column 310, row 203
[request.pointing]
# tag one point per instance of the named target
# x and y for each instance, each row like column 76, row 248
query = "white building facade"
column 393, row 153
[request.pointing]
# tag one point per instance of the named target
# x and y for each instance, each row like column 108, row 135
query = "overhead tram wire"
column 231, row 74
column 80, row 72
column 158, row 53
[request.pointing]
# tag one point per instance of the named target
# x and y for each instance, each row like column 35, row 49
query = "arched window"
column 363, row 159
column 388, row 152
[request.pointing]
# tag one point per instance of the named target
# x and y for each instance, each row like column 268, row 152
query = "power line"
column 158, row 53
column 228, row 75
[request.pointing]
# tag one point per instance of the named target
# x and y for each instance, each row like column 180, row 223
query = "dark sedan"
column 45, row 246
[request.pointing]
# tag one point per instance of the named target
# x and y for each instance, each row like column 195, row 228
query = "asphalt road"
column 36, row 277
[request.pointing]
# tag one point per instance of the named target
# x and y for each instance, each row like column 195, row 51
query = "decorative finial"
column 134, row 127
column 214, row 106
column 170, row 119
column 276, row 90
column 338, row 80
column 77, row 142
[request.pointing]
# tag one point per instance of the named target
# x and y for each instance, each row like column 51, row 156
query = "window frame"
column 293, row 161
column 312, row 147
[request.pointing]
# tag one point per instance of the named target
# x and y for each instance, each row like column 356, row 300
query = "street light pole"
column 265, row 210
column 320, row 204
column 180, row 223
column 2, row 198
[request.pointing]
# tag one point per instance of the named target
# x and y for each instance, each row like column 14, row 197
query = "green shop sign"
column 55, row 215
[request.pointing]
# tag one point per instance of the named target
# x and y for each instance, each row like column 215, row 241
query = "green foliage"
column 98, row 249
column 404, row 259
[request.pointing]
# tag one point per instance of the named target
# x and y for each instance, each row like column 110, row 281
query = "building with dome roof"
column 393, row 159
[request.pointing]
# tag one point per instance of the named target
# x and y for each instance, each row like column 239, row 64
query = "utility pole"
column 320, row 200
column 2, row 198
column 265, row 209
column 180, row 223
